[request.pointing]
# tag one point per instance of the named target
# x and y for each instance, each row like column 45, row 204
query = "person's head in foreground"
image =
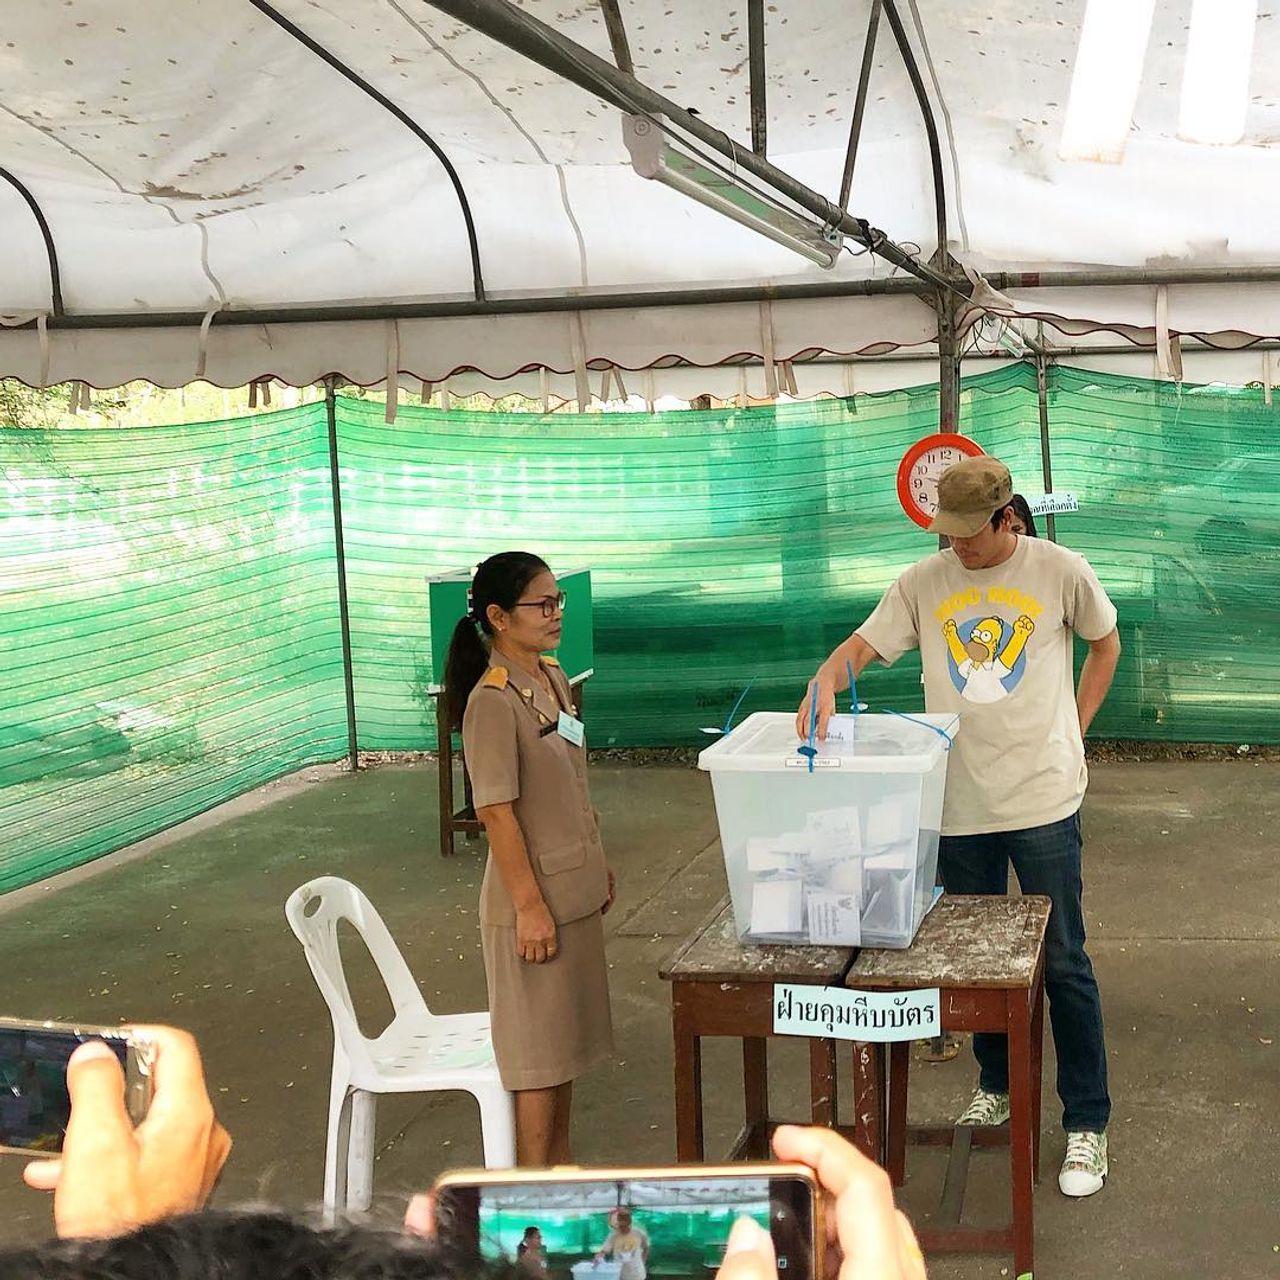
column 975, row 511
column 127, row 1201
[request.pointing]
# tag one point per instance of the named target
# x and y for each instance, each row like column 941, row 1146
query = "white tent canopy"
column 195, row 159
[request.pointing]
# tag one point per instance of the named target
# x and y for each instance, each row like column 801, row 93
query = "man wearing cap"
column 993, row 617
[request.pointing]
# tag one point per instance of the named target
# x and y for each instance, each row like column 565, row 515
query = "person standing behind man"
column 993, row 617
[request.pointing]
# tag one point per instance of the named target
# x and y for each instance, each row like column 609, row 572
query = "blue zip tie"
column 853, row 687
column 809, row 749
column 728, row 724
column 942, row 733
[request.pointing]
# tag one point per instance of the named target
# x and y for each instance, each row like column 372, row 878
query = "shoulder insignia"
column 495, row 678
column 549, row 662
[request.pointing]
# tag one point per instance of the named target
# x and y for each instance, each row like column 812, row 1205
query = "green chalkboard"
column 447, row 602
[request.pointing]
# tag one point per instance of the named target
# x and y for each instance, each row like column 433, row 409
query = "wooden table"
column 463, row 821
column 986, row 954
column 719, row 987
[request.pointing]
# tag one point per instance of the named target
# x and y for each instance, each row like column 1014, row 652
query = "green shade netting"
column 171, row 633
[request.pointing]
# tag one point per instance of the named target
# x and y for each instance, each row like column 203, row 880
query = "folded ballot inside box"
column 777, row 907
column 840, row 849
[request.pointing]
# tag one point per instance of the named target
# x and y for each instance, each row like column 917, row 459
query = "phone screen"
column 675, row 1228
column 34, row 1103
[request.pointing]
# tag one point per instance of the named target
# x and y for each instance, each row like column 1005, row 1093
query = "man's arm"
column 833, row 677
column 1096, row 676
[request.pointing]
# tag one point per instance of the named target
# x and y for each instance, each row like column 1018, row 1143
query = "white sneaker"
column 1085, row 1168
column 986, row 1109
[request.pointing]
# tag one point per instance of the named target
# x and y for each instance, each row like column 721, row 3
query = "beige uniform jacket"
column 515, row 755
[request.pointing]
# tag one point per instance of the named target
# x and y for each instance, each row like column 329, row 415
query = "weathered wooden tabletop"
column 713, row 953
column 963, row 942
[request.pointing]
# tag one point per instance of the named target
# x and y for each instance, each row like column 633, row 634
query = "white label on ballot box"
column 878, row 1016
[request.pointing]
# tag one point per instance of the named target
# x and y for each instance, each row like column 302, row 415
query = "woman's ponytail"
column 500, row 580
column 464, row 664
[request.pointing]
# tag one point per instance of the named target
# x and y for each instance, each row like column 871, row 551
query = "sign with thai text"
column 832, row 1013
column 1054, row 504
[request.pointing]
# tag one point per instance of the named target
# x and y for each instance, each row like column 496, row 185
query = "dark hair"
column 528, row 1231
column 1021, row 510
column 500, row 580
column 247, row 1245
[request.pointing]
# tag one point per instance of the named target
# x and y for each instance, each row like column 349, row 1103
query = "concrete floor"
column 1182, row 891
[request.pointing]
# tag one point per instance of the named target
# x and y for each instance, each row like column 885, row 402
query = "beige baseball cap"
column 969, row 494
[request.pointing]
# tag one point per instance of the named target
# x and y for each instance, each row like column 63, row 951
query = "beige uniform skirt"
column 551, row 1022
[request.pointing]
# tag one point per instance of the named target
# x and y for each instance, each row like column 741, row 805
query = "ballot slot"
column 845, row 855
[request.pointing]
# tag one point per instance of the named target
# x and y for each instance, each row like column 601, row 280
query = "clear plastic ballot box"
column 845, row 853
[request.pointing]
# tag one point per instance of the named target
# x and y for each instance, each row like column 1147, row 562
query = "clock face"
column 922, row 466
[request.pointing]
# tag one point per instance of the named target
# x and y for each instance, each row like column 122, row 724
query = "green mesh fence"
column 171, row 631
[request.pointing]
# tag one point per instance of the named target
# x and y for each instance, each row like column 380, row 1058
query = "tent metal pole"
column 756, row 57
column 860, row 103
column 617, row 35
column 1046, row 461
column 543, row 44
column 325, row 55
column 344, row 612
column 50, row 249
column 930, row 129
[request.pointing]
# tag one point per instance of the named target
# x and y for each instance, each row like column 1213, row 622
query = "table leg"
column 690, row 1145
column 755, row 1092
column 444, row 768
column 1037, row 1073
column 468, row 799
column 823, row 1090
column 868, row 1100
column 1020, row 1135
column 896, row 1136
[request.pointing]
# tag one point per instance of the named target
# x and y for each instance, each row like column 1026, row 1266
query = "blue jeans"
column 1046, row 861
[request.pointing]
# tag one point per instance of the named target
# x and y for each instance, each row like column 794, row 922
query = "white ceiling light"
column 652, row 156
column 1104, row 85
column 1215, row 80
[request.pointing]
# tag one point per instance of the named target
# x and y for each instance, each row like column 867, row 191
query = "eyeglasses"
column 548, row 604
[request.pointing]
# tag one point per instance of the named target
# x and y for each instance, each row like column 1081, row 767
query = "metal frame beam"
column 930, row 125
column 756, row 58
column 50, row 249
column 409, row 123
column 524, row 34
column 617, row 35
column 860, row 103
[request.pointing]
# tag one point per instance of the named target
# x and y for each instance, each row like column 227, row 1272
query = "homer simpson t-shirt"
column 996, row 649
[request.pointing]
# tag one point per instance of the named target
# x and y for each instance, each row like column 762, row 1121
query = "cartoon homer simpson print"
column 982, row 669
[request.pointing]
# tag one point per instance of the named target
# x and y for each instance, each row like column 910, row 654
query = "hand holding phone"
column 113, row 1177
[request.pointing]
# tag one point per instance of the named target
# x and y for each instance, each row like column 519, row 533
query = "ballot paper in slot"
column 834, row 919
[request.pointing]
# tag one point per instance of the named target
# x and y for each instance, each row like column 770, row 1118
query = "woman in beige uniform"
column 547, row 885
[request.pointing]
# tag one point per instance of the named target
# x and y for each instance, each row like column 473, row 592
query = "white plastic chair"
column 419, row 1052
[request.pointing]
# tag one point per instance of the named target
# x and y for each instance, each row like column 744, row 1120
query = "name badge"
column 571, row 729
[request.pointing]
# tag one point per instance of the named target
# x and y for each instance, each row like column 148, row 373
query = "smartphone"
column 34, row 1103
column 630, row 1224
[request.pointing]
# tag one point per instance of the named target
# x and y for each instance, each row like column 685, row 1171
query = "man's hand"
column 613, row 892
column 536, row 934
column 949, row 628
column 112, row 1177
column 826, row 709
